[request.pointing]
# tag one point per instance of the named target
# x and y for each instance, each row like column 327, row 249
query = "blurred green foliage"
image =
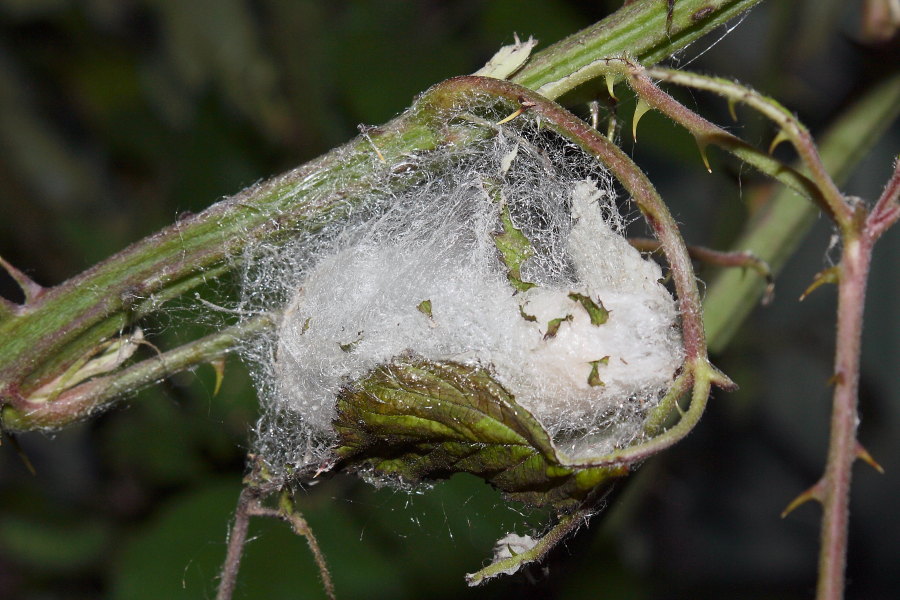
column 117, row 116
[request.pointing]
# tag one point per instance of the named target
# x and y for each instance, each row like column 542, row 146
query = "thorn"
column 863, row 455
column 518, row 112
column 834, row 380
column 610, row 85
column 25, row 460
column 769, row 292
column 830, row 275
column 781, row 137
column 639, row 111
column 732, row 103
column 701, row 144
column 813, row 493
column 721, row 380
column 323, row 468
column 524, row 105
column 30, row 288
column 364, row 130
column 218, row 366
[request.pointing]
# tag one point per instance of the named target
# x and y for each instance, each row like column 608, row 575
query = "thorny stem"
column 704, row 132
column 250, row 505
column 740, row 258
column 236, row 540
column 857, row 253
column 45, row 336
column 858, row 232
column 844, row 448
column 649, row 30
column 886, row 211
column 789, row 127
column 778, row 227
column 707, row 133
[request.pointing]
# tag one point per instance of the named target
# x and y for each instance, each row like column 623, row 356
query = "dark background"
column 117, row 116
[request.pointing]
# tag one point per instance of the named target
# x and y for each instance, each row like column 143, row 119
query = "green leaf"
column 514, row 249
column 553, row 326
column 597, row 312
column 424, row 307
column 417, row 420
column 594, row 376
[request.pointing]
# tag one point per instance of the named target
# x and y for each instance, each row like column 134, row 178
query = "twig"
column 236, row 540
column 886, row 211
column 844, row 418
column 737, row 258
column 96, row 393
column 250, row 504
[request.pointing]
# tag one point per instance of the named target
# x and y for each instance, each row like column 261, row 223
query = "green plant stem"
column 44, row 337
column 645, row 29
column 568, row 523
column 789, row 127
column 96, row 393
column 776, row 230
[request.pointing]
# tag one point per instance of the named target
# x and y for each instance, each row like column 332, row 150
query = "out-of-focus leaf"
column 49, row 545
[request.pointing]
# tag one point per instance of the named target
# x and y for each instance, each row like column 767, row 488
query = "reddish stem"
column 886, row 211
column 844, row 419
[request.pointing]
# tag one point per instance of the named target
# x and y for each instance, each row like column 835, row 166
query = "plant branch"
column 737, row 258
column 842, row 446
column 789, row 128
column 250, row 504
column 649, row 30
column 774, row 232
column 237, row 538
column 22, row 414
column 44, row 337
column 886, row 211
column 833, row 490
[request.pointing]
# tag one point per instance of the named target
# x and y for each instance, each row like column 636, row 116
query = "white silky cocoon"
column 354, row 302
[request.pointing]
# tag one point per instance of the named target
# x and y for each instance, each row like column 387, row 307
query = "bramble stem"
column 742, row 259
column 844, row 448
column 886, row 211
column 237, row 537
column 789, row 127
column 44, row 337
column 858, row 231
column 776, row 230
column 97, row 392
column 844, row 418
